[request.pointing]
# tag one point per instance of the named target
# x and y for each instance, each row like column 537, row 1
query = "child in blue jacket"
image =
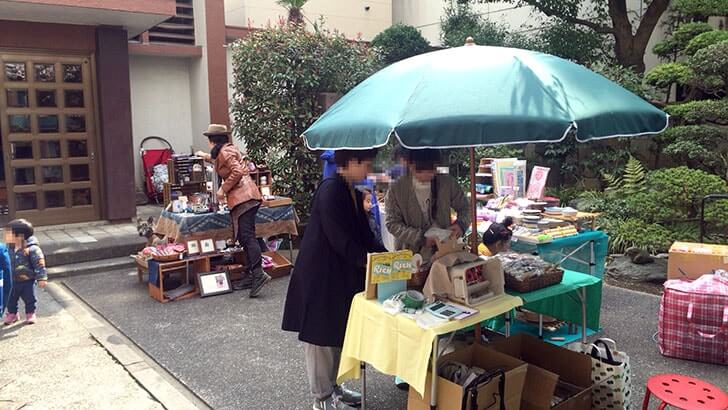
column 28, row 267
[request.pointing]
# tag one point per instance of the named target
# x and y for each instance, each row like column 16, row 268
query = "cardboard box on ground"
column 450, row 395
column 693, row 260
column 549, row 371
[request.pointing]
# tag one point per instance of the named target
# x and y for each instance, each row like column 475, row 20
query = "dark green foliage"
column 575, row 43
column 278, row 75
column 710, row 66
column 675, row 45
column 700, row 9
column 701, row 111
column 461, row 22
column 704, row 40
column 399, row 42
column 698, row 146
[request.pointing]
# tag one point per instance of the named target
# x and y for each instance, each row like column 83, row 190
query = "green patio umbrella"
column 474, row 96
column 477, row 96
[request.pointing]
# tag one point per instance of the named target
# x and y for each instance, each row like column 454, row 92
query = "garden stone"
column 639, row 256
column 621, row 267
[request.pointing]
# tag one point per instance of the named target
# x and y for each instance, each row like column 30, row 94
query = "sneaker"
column 10, row 318
column 401, row 384
column 258, row 284
column 30, row 318
column 330, row 403
column 346, row 396
column 244, row 283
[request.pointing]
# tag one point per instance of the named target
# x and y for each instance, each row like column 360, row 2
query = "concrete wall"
column 347, row 16
column 161, row 103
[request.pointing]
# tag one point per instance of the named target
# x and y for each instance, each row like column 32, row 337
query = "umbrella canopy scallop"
column 479, row 96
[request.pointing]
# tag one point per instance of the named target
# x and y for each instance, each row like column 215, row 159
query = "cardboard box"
column 450, row 395
column 551, row 369
column 693, row 260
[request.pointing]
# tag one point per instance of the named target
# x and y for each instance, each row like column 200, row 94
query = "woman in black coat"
column 329, row 271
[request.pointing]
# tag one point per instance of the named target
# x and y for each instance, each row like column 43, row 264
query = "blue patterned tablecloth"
column 279, row 220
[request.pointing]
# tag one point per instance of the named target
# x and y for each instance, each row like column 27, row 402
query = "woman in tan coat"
column 231, row 167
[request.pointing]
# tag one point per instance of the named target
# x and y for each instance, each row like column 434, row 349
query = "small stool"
column 684, row 393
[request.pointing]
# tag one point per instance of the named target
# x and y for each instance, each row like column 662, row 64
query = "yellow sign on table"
column 396, row 345
column 389, row 266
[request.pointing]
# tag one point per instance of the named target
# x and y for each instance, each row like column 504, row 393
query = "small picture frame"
column 214, row 283
column 193, row 247
column 265, row 191
column 220, row 245
column 207, row 246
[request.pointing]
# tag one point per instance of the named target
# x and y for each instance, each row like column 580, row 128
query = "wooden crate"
column 281, row 265
column 195, row 266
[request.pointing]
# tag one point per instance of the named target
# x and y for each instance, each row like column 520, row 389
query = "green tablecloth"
column 562, row 301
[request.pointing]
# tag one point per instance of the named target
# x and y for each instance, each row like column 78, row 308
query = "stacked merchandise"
column 526, row 273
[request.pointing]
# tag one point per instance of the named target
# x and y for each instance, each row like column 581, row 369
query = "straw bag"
column 611, row 375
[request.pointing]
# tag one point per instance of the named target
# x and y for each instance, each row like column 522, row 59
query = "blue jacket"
column 28, row 263
column 6, row 276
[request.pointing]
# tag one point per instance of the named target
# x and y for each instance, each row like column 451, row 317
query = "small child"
column 28, row 266
column 368, row 206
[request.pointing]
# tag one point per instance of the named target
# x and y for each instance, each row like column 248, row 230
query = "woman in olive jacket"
column 231, row 167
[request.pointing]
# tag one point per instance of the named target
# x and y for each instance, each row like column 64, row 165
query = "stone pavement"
column 63, row 362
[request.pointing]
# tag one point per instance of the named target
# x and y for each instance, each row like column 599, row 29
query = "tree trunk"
column 630, row 48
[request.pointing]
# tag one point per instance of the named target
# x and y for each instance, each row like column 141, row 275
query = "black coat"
column 330, row 268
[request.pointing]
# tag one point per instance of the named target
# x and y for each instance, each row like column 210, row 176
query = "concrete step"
column 66, row 253
column 87, row 268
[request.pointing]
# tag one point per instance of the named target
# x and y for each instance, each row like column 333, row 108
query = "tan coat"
column 231, row 167
column 406, row 221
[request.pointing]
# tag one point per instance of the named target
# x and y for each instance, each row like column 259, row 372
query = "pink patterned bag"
column 694, row 319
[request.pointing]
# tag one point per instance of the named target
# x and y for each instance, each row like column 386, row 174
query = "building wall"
column 161, row 104
column 347, row 16
column 199, row 81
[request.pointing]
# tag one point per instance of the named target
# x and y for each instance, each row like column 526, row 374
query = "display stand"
column 191, row 267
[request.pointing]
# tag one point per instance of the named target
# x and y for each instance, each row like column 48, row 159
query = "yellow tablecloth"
column 395, row 345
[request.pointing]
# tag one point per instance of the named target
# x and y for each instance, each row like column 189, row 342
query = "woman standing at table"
column 330, row 270
column 231, row 166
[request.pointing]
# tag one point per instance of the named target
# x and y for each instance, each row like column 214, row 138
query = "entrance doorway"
column 47, row 124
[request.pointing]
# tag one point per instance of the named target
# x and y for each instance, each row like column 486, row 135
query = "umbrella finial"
column 469, row 41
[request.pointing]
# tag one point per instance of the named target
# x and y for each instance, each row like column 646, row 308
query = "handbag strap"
column 471, row 390
column 595, row 352
column 723, row 324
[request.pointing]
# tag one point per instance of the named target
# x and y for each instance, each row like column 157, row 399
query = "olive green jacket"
column 406, row 221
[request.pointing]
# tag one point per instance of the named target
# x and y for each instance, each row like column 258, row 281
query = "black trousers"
column 247, row 239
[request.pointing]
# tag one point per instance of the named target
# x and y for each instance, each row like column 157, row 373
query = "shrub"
column 676, row 44
column 680, row 190
column 399, row 42
column 698, row 112
column 710, row 66
column 629, row 233
column 572, row 42
column 665, row 75
column 699, row 146
column 278, row 75
column 704, row 40
column 701, row 8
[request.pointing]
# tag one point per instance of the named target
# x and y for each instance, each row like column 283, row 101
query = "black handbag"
column 470, row 393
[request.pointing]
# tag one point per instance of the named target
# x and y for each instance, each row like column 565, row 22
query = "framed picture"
column 193, row 247
column 214, row 283
column 207, row 246
column 220, row 245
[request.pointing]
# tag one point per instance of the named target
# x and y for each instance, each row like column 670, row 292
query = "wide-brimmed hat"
column 216, row 129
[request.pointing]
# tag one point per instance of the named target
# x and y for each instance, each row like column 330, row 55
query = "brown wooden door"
column 48, row 128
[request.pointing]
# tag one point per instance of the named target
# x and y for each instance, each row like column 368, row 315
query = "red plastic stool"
column 684, row 393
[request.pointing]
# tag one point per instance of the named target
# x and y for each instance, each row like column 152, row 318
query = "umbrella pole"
column 473, row 205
